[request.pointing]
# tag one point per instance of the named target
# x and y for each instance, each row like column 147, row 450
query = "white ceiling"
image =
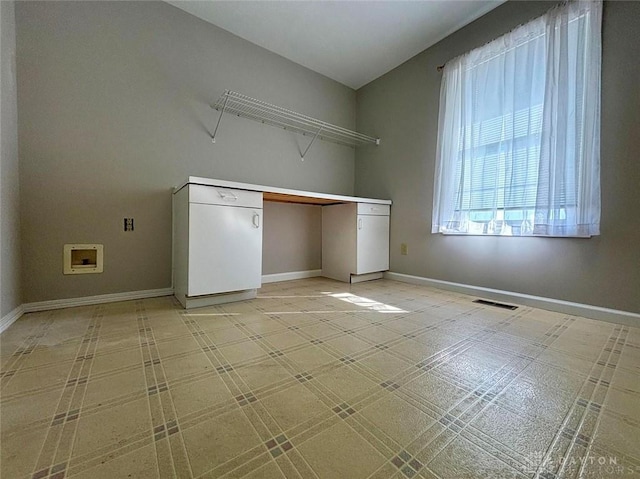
column 351, row 41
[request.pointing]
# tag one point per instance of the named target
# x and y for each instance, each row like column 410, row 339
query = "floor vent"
column 493, row 303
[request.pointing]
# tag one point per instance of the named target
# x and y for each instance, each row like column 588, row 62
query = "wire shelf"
column 247, row 107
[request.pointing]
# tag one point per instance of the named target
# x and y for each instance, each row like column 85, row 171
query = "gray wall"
column 10, row 297
column 292, row 237
column 402, row 109
column 114, row 110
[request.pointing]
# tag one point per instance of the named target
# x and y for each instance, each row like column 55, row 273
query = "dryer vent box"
column 83, row 258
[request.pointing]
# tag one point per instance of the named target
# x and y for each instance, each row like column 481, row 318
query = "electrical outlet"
column 404, row 249
column 128, row 224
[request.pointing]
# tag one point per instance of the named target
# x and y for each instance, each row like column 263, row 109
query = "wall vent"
column 494, row 304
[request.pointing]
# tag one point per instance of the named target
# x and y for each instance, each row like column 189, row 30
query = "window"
column 519, row 131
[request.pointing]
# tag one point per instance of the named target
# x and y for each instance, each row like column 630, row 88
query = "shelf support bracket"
column 312, row 140
column 224, row 106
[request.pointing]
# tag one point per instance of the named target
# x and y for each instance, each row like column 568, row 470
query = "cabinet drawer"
column 373, row 209
column 213, row 195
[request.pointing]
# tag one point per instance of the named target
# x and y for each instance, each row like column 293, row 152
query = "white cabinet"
column 355, row 241
column 217, row 244
column 372, row 249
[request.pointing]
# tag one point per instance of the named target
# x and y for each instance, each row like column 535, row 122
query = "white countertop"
column 325, row 198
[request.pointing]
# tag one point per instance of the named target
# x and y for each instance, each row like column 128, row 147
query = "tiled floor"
column 317, row 378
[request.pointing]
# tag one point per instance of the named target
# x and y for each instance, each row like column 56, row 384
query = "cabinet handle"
column 227, row 196
column 256, row 220
column 360, row 223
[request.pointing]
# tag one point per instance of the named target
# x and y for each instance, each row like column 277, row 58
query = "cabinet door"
column 225, row 249
column 372, row 244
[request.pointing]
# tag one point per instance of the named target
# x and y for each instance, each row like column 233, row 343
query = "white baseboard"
column 99, row 299
column 566, row 307
column 10, row 318
column 274, row 278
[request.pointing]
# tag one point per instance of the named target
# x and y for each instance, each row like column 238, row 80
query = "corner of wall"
column 10, row 260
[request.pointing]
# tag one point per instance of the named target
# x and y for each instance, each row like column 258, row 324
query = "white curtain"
column 519, row 131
